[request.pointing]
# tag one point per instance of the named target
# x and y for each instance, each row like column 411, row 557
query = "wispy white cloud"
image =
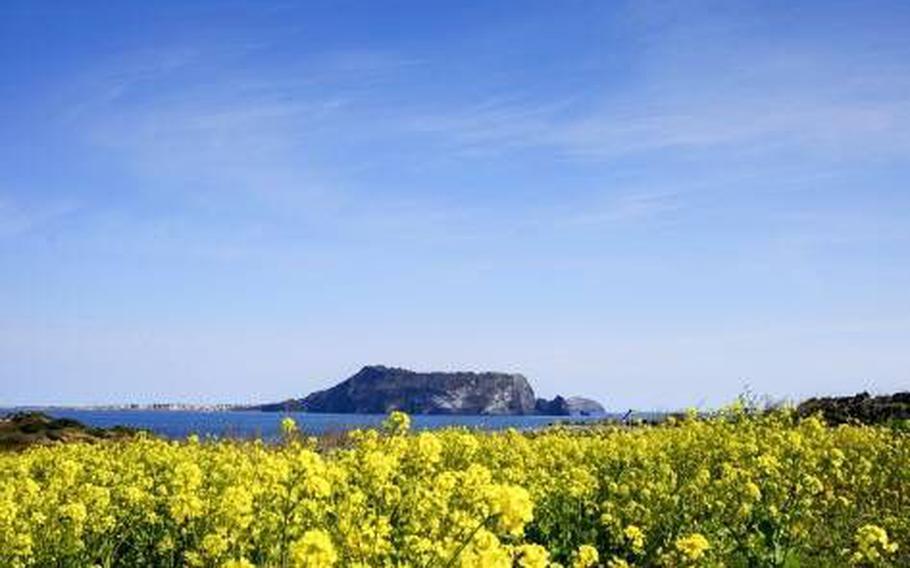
column 494, row 126
column 201, row 121
column 18, row 219
column 703, row 87
column 359, row 61
column 819, row 229
column 742, row 122
column 282, row 139
column 621, row 207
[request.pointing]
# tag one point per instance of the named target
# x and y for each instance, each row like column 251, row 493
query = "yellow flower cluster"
column 692, row 547
column 733, row 489
column 872, row 546
column 313, row 550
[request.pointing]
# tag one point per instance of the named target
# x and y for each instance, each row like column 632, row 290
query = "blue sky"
column 652, row 203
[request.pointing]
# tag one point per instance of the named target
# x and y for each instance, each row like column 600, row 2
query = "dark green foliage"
column 862, row 408
column 21, row 429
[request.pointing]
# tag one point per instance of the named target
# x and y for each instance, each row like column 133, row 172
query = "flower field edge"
column 733, row 489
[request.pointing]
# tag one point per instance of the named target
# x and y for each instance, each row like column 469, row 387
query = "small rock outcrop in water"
column 378, row 390
column 858, row 408
column 572, row 406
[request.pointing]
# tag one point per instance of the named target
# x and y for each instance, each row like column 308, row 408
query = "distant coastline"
column 155, row 406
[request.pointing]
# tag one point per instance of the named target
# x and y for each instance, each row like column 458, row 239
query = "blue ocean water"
column 243, row 424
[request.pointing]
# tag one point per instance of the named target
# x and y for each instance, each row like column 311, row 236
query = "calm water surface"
column 179, row 424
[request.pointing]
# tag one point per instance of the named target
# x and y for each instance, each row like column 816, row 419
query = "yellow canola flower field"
column 731, row 490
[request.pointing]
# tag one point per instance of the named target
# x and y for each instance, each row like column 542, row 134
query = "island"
column 377, row 389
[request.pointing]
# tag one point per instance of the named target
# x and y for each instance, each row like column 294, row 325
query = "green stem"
column 467, row 541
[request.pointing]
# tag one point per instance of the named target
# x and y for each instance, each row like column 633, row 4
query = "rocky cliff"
column 572, row 406
column 378, row 390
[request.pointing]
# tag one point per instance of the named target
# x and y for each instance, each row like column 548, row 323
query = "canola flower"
column 692, row 547
column 314, row 550
column 532, row 556
column 585, row 557
column 872, row 545
column 635, row 537
column 734, row 489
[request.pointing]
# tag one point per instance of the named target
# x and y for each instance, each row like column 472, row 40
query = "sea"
column 177, row 424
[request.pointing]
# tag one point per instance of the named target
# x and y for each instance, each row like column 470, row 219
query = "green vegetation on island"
column 25, row 428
